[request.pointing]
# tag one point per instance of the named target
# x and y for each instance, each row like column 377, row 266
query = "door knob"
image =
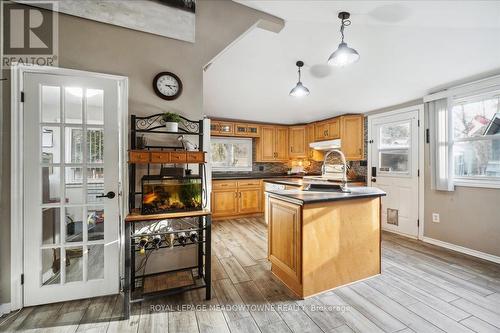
column 374, row 180
column 109, row 195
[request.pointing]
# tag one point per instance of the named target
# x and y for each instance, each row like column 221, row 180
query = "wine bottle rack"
column 186, row 221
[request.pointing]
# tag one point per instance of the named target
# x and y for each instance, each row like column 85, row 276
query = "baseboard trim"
column 400, row 233
column 4, row 308
column 461, row 249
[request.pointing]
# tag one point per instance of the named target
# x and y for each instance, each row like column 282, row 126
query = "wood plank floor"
column 423, row 288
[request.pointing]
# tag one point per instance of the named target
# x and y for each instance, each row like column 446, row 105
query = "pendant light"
column 299, row 90
column 343, row 55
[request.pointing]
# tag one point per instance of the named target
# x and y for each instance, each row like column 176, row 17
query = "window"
column 394, row 147
column 476, row 138
column 231, row 154
column 95, row 144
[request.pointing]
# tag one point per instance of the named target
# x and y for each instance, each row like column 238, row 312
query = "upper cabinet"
column 275, row 143
column 228, row 128
column 247, row 130
column 222, row 128
column 352, row 135
column 298, row 142
column 327, row 130
column 272, row 146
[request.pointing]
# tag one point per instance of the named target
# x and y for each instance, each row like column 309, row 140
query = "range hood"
column 325, row 145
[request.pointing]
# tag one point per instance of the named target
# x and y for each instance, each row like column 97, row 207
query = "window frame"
column 471, row 181
column 231, row 140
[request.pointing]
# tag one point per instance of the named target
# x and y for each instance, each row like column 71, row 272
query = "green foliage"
column 170, row 117
column 190, row 194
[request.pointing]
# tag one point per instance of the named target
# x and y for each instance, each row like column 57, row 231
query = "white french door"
column 71, row 158
column 394, row 163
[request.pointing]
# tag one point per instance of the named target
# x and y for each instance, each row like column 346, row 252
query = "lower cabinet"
column 285, row 239
column 224, row 202
column 236, row 197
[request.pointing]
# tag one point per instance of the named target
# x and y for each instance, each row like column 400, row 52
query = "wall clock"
column 167, row 85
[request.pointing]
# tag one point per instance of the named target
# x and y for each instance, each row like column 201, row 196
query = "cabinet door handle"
column 291, row 149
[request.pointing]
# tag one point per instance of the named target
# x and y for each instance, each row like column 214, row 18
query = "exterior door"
column 71, row 152
column 394, row 169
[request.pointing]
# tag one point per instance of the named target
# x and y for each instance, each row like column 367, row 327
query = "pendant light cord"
column 345, row 23
column 299, row 74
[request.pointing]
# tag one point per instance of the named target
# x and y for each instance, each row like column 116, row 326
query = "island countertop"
column 295, row 182
column 310, row 197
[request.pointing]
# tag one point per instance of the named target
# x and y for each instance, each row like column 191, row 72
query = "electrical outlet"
column 435, row 217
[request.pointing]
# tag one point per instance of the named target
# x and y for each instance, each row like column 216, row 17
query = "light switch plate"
column 435, row 217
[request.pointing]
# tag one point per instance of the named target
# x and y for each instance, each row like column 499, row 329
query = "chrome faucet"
column 327, row 169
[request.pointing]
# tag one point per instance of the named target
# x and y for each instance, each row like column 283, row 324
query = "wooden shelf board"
column 136, row 216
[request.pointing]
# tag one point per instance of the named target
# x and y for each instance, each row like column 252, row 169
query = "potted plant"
column 171, row 121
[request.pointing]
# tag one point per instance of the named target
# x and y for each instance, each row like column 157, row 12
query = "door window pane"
column 393, row 160
column 95, row 262
column 73, row 145
column 477, row 158
column 95, row 223
column 51, row 225
column 74, row 224
column 74, row 185
column 95, row 185
column 95, row 107
column 74, row 264
column 51, row 144
column 395, row 135
column 73, row 105
column 51, row 104
column 95, row 145
column 51, row 266
column 51, row 184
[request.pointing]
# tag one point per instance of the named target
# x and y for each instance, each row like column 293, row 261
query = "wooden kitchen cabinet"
column 232, row 198
column 327, row 130
column 249, row 200
column 224, row 202
column 312, row 154
column 246, row 130
column 314, row 247
column 272, row 146
column 284, row 241
column 221, row 128
column 352, row 135
column 298, row 142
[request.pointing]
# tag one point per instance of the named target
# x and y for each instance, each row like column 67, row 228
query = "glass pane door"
column 72, row 173
column 71, row 160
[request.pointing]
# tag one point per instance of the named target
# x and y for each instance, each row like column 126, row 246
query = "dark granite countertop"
column 254, row 175
column 310, row 197
column 302, row 182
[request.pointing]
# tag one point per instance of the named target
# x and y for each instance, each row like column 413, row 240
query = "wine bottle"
column 182, row 238
column 142, row 244
column 157, row 241
column 193, row 236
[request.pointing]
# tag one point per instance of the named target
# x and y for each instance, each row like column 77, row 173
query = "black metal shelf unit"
column 200, row 221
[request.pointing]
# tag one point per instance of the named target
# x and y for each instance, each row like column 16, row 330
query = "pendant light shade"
column 299, row 90
column 343, row 55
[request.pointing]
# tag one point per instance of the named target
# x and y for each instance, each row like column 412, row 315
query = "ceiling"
column 408, row 49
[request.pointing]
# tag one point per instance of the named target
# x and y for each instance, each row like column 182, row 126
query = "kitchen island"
column 320, row 240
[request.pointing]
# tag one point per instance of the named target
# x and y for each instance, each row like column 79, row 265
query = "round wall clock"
column 167, row 85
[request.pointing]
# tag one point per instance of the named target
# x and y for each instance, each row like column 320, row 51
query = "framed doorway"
column 68, row 147
column 396, row 165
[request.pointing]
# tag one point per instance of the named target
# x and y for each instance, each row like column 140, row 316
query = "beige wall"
column 469, row 216
column 93, row 46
